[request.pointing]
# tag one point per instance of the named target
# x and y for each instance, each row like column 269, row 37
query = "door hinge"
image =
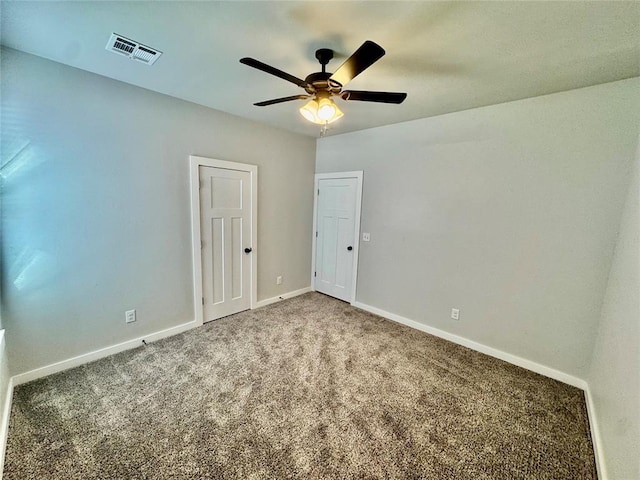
column 316, row 234
column 315, row 274
column 201, row 244
column 203, row 300
column 318, row 191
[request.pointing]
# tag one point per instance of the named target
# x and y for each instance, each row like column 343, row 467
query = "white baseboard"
column 129, row 344
column 479, row 347
column 595, row 435
column 4, row 424
column 98, row 354
column 284, row 296
column 520, row 362
column 5, row 414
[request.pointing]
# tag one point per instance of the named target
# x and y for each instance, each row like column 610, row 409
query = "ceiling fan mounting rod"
column 319, row 81
column 324, row 55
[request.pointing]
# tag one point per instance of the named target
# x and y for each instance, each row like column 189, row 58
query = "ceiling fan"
column 321, row 86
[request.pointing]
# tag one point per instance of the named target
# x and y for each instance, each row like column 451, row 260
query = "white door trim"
column 356, row 243
column 194, row 164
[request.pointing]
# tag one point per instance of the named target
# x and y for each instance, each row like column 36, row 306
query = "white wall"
column 96, row 216
column 614, row 379
column 508, row 212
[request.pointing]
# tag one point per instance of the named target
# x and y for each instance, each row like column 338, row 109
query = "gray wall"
column 508, row 212
column 614, row 379
column 96, row 215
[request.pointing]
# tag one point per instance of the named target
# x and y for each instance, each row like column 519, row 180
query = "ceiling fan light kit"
column 321, row 86
column 323, row 111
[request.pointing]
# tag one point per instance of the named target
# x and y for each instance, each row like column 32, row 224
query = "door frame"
column 358, row 175
column 195, row 163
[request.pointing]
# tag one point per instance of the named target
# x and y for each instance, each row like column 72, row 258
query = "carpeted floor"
column 308, row 388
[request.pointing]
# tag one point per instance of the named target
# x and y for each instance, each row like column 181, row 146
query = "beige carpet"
column 309, row 388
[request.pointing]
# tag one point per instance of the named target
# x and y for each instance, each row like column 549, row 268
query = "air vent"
column 132, row 49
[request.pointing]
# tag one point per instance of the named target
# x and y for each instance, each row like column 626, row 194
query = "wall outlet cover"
column 130, row 316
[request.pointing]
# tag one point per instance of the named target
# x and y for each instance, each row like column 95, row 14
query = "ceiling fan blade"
column 382, row 97
column 368, row 53
column 280, row 100
column 252, row 62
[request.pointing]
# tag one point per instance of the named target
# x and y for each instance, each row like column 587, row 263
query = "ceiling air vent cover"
column 132, row 49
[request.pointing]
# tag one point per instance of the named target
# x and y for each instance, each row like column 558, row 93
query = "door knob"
column 247, row 250
column 349, row 248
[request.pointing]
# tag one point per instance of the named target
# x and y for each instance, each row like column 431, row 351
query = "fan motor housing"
column 320, row 81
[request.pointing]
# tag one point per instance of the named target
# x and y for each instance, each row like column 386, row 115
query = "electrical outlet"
column 279, row 280
column 455, row 313
column 130, row 316
column 366, row 237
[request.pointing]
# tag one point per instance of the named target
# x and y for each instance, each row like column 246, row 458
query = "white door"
column 336, row 236
column 225, row 234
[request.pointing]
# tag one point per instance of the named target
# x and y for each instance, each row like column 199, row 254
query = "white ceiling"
column 447, row 56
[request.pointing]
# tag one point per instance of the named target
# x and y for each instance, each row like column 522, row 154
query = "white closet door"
column 335, row 227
